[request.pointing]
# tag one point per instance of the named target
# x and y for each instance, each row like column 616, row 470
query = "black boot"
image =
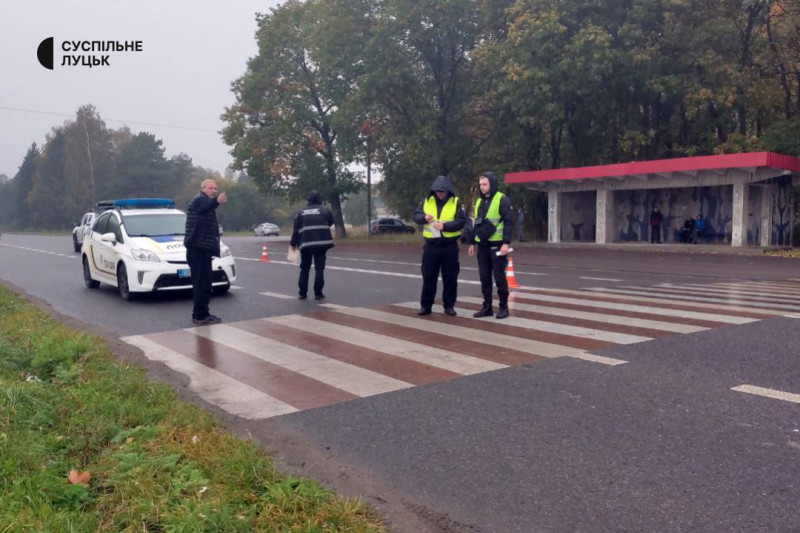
column 486, row 310
column 503, row 312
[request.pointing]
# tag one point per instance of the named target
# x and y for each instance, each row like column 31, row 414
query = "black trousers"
column 306, row 256
column 440, row 258
column 491, row 265
column 655, row 234
column 200, row 266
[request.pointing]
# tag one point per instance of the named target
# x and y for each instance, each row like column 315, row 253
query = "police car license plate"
column 183, row 273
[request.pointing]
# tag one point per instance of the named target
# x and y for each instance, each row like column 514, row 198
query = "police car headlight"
column 144, row 255
column 224, row 251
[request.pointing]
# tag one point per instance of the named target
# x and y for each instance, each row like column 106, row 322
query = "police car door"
column 95, row 244
column 109, row 251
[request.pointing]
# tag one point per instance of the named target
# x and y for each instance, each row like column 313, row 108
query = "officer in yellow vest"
column 442, row 216
column 494, row 221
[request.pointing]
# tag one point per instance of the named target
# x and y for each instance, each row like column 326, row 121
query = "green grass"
column 156, row 464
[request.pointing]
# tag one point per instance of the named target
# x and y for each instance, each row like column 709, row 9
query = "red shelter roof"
column 683, row 165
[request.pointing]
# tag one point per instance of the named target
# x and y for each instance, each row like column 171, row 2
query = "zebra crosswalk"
column 278, row 365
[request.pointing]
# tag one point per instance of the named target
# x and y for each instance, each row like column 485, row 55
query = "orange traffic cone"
column 264, row 256
column 512, row 281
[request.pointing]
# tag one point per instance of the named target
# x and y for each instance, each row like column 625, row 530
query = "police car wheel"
column 122, row 283
column 87, row 275
column 75, row 244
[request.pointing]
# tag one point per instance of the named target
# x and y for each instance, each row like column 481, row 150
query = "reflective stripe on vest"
column 493, row 215
column 448, row 215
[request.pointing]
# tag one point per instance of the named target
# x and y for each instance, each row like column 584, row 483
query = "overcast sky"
column 175, row 88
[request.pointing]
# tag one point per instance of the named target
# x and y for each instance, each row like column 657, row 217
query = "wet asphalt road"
column 661, row 443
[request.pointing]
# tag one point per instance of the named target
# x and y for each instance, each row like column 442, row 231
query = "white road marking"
column 380, row 272
column 598, row 279
column 214, row 387
column 699, row 299
column 529, row 324
column 723, row 292
column 344, row 376
column 680, row 313
column 278, row 295
column 447, row 360
column 768, row 393
column 597, row 317
column 660, row 299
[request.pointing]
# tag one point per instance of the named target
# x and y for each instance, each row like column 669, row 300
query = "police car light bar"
column 103, row 205
column 144, row 203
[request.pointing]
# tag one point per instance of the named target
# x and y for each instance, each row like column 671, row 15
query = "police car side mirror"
column 108, row 237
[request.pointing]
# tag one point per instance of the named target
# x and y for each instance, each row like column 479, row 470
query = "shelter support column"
column 766, row 214
column 604, row 225
column 553, row 216
column 739, row 223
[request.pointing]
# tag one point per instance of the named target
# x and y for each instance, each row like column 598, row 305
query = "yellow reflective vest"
column 448, row 215
column 493, row 215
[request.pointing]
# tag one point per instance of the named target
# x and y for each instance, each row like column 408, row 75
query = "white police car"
column 137, row 246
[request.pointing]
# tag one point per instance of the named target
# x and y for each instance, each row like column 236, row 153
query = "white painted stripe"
column 447, row 360
column 544, row 349
column 679, row 313
column 277, row 295
column 711, row 290
column 599, row 359
column 768, row 393
column 766, row 287
column 344, row 376
column 382, row 272
column 212, row 386
column 526, row 323
column 660, row 299
column 792, row 315
column 700, row 299
column 598, row 279
column 597, row 317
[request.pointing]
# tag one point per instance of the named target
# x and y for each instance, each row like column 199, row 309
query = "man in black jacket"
column 312, row 234
column 202, row 245
column 442, row 216
column 494, row 222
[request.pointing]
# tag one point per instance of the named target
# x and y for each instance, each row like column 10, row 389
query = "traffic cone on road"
column 264, row 256
column 512, row 281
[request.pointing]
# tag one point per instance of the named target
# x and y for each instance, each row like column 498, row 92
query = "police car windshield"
column 152, row 225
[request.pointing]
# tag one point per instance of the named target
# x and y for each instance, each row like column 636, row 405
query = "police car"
column 137, row 246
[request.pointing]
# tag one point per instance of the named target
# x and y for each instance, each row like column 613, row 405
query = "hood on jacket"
column 443, row 183
column 313, row 198
column 492, row 177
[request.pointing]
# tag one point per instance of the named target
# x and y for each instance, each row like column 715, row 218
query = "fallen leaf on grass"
column 76, row 478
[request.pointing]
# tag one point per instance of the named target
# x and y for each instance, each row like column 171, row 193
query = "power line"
column 107, row 119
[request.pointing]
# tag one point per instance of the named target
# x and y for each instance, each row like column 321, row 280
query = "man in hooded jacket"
column 442, row 216
column 494, row 221
column 312, row 234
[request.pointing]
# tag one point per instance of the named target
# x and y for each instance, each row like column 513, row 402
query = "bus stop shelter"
column 745, row 198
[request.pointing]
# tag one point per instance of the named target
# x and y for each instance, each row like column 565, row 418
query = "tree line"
column 428, row 87
column 83, row 161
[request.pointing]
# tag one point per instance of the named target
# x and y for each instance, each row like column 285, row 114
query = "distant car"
column 266, row 229
column 137, row 246
column 79, row 231
column 382, row 226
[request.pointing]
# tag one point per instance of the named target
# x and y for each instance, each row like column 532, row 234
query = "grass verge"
column 156, row 463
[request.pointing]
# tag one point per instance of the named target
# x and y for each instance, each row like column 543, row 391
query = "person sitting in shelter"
column 699, row 228
column 687, row 231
